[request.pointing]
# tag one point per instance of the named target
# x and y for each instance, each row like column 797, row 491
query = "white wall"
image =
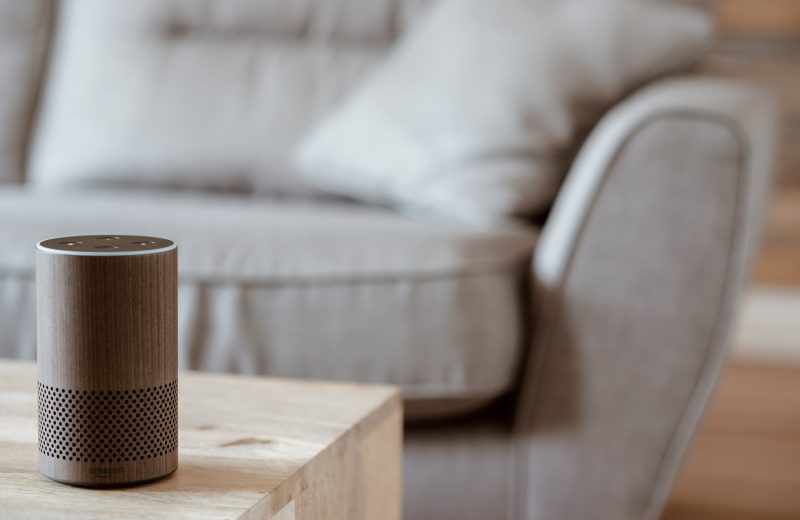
column 768, row 326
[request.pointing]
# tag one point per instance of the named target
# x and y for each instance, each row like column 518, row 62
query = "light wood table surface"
column 249, row 448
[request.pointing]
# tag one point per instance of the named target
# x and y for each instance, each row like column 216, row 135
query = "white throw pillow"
column 475, row 110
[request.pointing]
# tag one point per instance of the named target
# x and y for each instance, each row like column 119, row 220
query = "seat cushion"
column 305, row 289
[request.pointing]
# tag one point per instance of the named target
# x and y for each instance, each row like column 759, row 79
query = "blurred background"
column 760, row 41
column 745, row 464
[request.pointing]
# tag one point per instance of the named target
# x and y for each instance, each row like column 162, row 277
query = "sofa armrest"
column 636, row 278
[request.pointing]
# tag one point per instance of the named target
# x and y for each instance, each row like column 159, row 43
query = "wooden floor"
column 745, row 461
column 779, row 261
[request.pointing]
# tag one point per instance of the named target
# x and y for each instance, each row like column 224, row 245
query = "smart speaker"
column 107, row 359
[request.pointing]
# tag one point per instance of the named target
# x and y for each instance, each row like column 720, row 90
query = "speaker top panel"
column 105, row 245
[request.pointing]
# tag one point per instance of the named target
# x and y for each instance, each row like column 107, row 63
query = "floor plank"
column 744, row 463
column 779, row 261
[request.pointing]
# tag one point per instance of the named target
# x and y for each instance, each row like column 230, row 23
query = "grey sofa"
column 550, row 371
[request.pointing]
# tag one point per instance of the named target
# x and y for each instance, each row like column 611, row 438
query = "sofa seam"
column 517, row 267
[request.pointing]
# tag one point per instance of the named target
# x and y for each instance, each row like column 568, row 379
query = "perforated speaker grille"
column 114, row 426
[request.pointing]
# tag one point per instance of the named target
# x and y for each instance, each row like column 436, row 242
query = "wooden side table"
column 249, row 448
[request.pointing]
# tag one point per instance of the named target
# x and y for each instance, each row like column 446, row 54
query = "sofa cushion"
column 24, row 32
column 331, row 291
column 199, row 93
column 477, row 109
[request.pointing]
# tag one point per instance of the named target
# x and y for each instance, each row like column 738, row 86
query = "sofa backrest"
column 24, row 32
column 199, row 93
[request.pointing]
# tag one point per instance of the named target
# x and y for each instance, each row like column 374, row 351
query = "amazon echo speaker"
column 107, row 359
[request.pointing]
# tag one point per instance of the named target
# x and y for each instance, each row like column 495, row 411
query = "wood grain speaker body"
column 107, row 359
